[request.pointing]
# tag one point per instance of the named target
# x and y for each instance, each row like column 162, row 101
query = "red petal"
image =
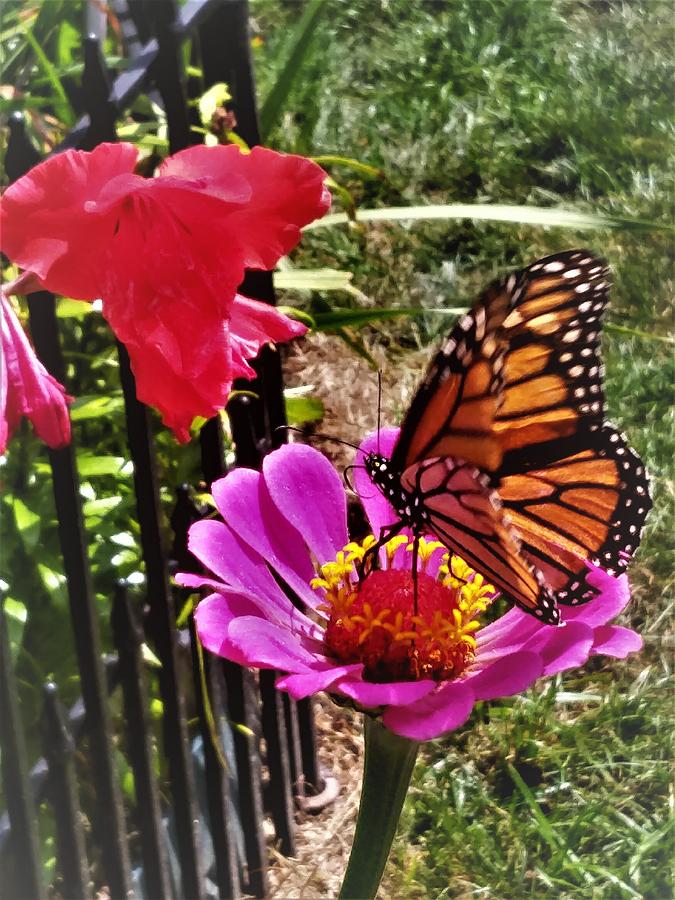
column 287, row 192
column 253, row 324
column 49, row 223
column 169, row 303
column 27, row 389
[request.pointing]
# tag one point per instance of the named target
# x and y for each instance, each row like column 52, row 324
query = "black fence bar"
column 109, row 826
column 75, row 721
column 59, row 748
column 22, row 866
column 279, row 795
column 102, row 113
column 167, row 73
column 242, row 702
column 294, row 749
column 128, row 636
column 161, row 625
column 215, row 768
column 313, row 778
column 135, row 78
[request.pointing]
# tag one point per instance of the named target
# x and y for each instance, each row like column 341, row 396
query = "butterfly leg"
column 415, row 556
column 371, row 557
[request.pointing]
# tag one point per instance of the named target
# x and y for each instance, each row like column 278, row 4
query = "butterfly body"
column 505, row 455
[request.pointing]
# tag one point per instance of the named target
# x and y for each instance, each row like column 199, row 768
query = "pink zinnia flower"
column 423, row 670
column 166, row 255
column 26, row 387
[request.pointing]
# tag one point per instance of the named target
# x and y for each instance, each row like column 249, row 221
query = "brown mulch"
column 323, row 839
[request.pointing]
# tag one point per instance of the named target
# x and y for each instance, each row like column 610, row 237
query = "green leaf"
column 101, row 507
column 488, row 212
column 72, row 309
column 89, row 465
column 355, row 164
column 63, row 107
column 294, row 313
column 149, row 657
column 300, row 410
column 184, row 614
column 313, row 280
column 92, row 406
column 27, row 523
column 208, row 103
column 53, row 582
column 273, row 105
column 16, row 617
column 15, row 610
column 68, row 40
column 340, row 318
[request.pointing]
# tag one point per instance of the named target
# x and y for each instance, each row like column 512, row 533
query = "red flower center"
column 399, row 635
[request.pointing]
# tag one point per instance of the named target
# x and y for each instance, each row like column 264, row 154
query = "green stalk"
column 386, row 774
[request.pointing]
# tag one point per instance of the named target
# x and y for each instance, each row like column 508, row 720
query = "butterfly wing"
column 552, row 374
column 571, row 506
column 453, row 411
column 466, row 515
column 516, row 391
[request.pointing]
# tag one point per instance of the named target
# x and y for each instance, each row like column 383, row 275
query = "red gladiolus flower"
column 166, row 255
column 26, row 387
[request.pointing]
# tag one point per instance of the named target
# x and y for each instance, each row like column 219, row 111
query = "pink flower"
column 26, row 387
column 166, row 255
column 423, row 669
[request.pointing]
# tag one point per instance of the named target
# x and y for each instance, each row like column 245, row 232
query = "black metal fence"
column 204, row 837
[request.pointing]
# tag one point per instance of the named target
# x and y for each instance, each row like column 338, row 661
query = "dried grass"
column 323, row 839
column 347, row 386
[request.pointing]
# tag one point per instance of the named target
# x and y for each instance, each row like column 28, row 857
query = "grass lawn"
column 565, row 790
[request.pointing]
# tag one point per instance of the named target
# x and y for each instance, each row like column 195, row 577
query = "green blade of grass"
column 272, row 108
column 553, row 840
column 488, row 212
column 355, row 164
column 340, row 318
column 63, row 107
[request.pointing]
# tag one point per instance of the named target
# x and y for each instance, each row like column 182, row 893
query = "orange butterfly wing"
column 516, row 391
column 466, row 515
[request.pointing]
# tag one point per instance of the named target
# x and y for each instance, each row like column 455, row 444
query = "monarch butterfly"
column 505, row 455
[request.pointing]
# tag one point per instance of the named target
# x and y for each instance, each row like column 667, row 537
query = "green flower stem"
column 386, row 774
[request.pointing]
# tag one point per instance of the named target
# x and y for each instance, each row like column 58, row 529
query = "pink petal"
column 446, row 709
column 307, row 683
column 613, row 599
column 378, row 510
column 268, row 646
column 46, row 225
column 395, row 693
column 220, row 550
column 309, row 494
column 245, row 504
column 287, row 192
column 213, row 617
column 254, row 324
column 506, row 676
column 190, row 580
column 27, row 388
column 562, row 648
column 508, row 633
column 614, row 640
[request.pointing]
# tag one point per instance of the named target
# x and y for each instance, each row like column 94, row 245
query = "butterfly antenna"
column 317, row 434
column 348, row 479
column 379, row 407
